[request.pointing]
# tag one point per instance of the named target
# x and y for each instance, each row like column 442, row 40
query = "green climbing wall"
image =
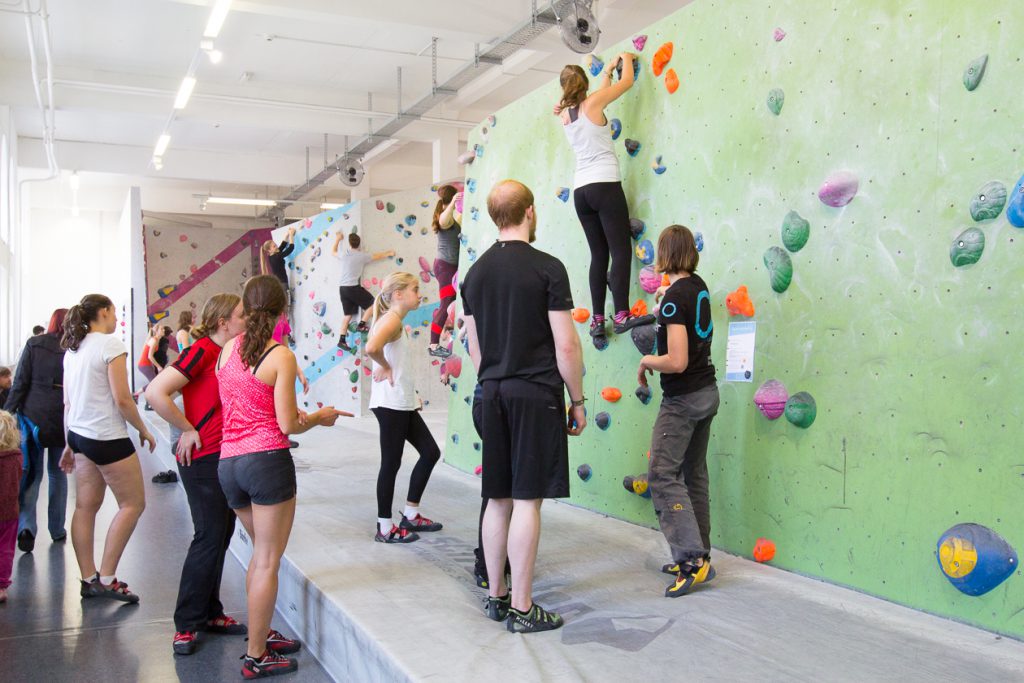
column 913, row 362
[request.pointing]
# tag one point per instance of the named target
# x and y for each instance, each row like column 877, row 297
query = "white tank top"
column 401, row 396
column 595, row 151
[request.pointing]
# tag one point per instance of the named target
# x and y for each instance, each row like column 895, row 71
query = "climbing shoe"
column 343, row 344
column 117, row 590
column 439, row 352
column 537, row 619
column 267, row 664
column 281, row 644
column 184, row 642
column 419, row 523
column 632, row 321
column 226, row 625
column 396, row 535
column 688, row 577
column 496, row 609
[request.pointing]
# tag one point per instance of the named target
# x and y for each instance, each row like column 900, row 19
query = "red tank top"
column 250, row 421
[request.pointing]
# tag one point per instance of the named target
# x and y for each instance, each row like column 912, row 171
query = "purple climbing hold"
column 778, row 34
column 839, row 189
column 636, row 227
column 603, row 420
column 649, row 280
column 770, row 399
column 584, row 472
column 632, row 147
column 645, row 338
column 644, row 393
column 639, row 42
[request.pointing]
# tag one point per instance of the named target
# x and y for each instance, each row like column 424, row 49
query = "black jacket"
column 38, row 391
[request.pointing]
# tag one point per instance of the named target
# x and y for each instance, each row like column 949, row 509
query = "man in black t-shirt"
column 517, row 302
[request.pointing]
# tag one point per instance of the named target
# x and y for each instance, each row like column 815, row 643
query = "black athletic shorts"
column 263, row 478
column 353, row 298
column 525, row 445
column 101, row 452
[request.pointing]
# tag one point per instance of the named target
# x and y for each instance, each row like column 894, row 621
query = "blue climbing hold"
column 471, row 184
column 563, row 194
column 699, row 239
column 603, row 420
column 410, row 220
column 478, row 150
column 644, row 393
column 974, row 558
column 636, row 227
column 616, row 127
column 455, row 439
column 632, row 147
column 1015, row 207
column 584, row 472
column 645, row 252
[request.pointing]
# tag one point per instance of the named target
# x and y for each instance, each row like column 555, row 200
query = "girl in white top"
column 598, row 195
column 394, row 403
column 97, row 403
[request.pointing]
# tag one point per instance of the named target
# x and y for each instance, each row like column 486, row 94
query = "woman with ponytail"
column 97, row 403
column 272, row 258
column 198, row 454
column 183, row 336
column 447, row 229
column 256, row 379
column 598, row 195
column 394, row 403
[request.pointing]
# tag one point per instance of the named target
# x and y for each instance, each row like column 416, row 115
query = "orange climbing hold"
column 764, row 550
column 671, row 81
column 661, row 58
column 739, row 303
column 665, row 282
column 580, row 315
column 611, row 394
column 639, row 308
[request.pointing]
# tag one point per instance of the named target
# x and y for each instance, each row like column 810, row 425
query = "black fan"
column 350, row 172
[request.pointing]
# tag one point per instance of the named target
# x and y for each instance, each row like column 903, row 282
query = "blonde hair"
column 10, row 436
column 392, row 283
column 218, row 307
column 265, row 257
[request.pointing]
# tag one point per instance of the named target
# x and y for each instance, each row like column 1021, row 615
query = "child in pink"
column 10, row 477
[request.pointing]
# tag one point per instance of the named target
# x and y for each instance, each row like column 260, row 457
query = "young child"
column 394, row 402
column 10, row 476
column 678, row 471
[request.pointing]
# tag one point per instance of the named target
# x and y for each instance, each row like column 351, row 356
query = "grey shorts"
column 263, row 478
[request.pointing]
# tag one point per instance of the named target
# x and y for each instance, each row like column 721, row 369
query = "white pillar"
column 446, row 152
column 362, row 190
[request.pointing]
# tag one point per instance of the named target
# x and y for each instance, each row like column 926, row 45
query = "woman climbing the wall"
column 272, row 260
column 598, row 195
column 394, row 403
column 678, row 470
column 256, row 382
column 446, row 264
column 182, row 336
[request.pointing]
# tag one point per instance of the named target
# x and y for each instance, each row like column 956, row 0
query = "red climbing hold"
column 580, row 315
column 671, row 81
column 764, row 550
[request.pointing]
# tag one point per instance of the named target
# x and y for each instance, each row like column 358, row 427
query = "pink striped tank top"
column 250, row 421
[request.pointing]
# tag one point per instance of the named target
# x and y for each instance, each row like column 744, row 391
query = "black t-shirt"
column 688, row 303
column 276, row 261
column 509, row 291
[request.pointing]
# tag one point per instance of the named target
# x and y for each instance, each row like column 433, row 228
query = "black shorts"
column 525, row 445
column 101, row 452
column 263, row 478
column 353, row 298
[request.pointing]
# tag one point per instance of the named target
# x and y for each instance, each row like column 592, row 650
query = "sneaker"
column 536, row 620
column 496, row 609
column 26, row 541
column 185, row 642
column 268, row 664
column 279, row 644
column 117, row 590
column 439, row 352
column 419, row 523
column 632, row 321
column 168, row 477
column 60, row 539
column 343, row 344
column 396, row 535
column 226, row 625
column 689, row 577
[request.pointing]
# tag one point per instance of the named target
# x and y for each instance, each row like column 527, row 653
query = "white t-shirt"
column 93, row 412
column 401, row 396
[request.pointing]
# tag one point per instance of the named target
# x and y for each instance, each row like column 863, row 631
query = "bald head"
column 507, row 203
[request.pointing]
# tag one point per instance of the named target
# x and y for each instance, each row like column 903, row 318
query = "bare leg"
column 344, row 324
column 523, row 536
column 494, row 530
column 124, row 478
column 89, row 491
column 245, row 516
column 272, row 525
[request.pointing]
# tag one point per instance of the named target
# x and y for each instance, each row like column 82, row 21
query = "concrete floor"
column 48, row 633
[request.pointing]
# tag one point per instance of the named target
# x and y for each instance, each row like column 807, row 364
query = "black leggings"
column 603, row 211
column 397, row 427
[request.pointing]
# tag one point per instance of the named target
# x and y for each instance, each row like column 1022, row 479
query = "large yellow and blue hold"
column 974, row 558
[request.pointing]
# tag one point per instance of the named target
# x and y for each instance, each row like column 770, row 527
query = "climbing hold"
column 776, row 98
column 320, row 308
column 657, row 165
column 671, row 81
column 698, row 240
column 563, row 194
column 764, row 550
column 476, row 444
column 601, row 342
column 470, row 185
column 967, row 247
column 478, row 149
column 639, row 42
column 467, row 157
column 471, row 254
column 580, row 315
column 478, row 470
column 1015, row 208
column 353, row 376
column 584, row 472
column 632, row 147
column 778, row 34
column 410, row 220
column 425, row 276
column 492, row 120
column 801, row 409
column 661, row 58
column 455, row 439
column 839, row 189
column 974, row 558
column 390, row 207
column 974, row 72
column 424, row 264
column 616, row 127
column 380, row 205
column 644, row 393
column 637, row 484
column 424, row 204
column 611, row 394
column 649, row 280
column 645, row 252
column 636, row 69
column 636, row 227
column 795, row 231
column 639, row 308
column 770, row 398
column 645, row 338
column 739, row 303
column 780, row 268
column 452, row 366
column 593, row 64
column 603, row 420
column 989, row 201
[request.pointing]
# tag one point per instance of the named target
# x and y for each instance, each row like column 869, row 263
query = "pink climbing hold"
column 779, row 35
column 425, row 276
column 649, row 280
column 453, row 366
column 839, row 189
column 478, row 470
column 770, row 398
column 639, row 42
column 308, row 222
column 425, row 264
column 183, row 238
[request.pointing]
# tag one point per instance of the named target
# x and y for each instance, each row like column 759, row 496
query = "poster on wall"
column 739, row 352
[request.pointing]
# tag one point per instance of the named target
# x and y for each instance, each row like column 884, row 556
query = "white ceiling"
column 308, row 63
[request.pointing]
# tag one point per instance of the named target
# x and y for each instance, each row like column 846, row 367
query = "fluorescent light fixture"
column 161, row 145
column 327, row 206
column 158, row 163
column 241, row 201
column 217, row 17
column 184, row 92
column 216, row 56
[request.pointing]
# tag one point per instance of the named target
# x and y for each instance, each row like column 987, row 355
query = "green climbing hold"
column 795, row 231
column 988, row 203
column 801, row 409
column 353, row 376
column 967, row 247
column 390, row 207
column 780, row 268
column 776, row 98
column 974, row 72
